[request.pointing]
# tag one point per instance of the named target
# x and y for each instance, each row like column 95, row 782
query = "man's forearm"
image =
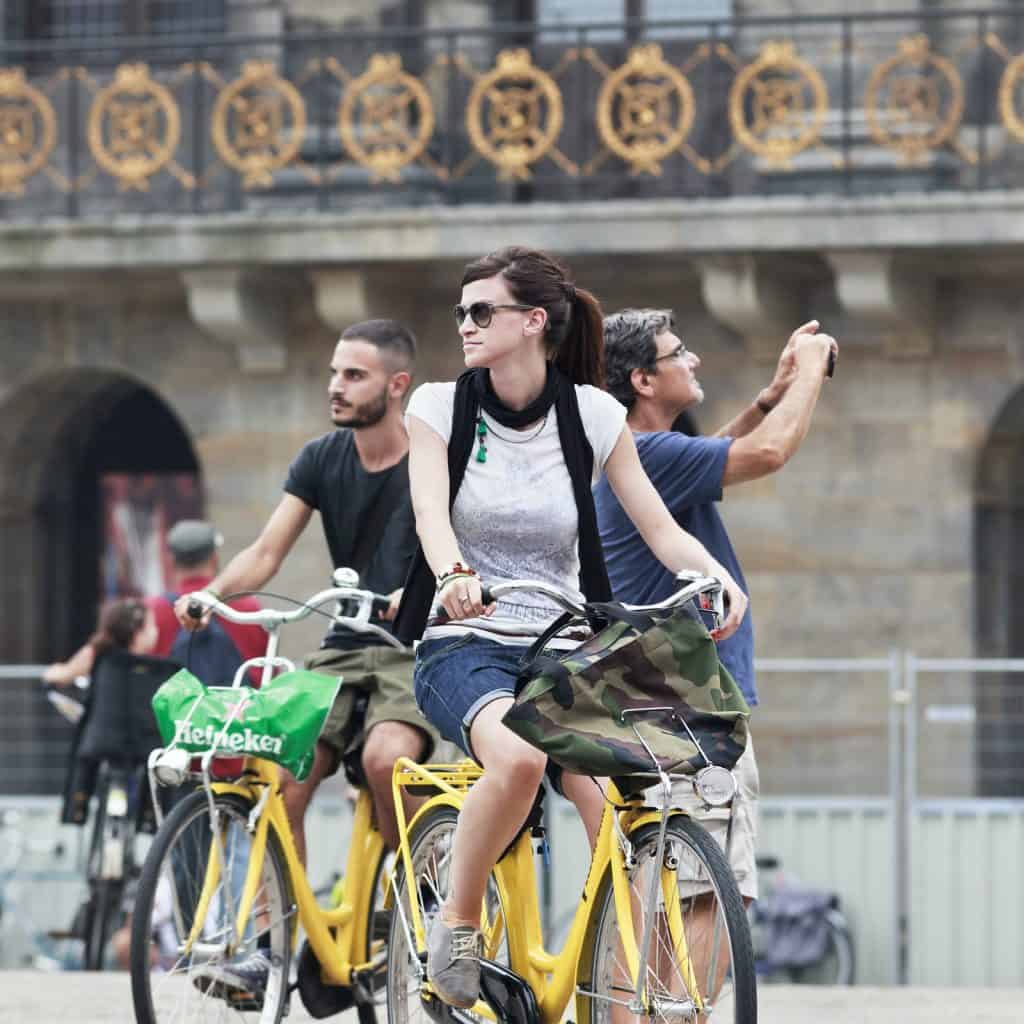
column 750, row 419
column 248, row 570
column 786, row 426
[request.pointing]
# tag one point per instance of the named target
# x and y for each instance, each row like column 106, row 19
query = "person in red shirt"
column 193, row 545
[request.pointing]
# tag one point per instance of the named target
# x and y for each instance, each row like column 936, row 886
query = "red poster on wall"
column 138, row 509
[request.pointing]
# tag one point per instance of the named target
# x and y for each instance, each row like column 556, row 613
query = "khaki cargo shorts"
column 743, row 841
column 378, row 680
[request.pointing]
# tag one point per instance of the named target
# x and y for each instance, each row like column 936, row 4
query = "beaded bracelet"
column 455, row 571
column 445, row 580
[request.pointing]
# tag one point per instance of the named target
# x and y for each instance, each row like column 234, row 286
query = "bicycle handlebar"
column 366, row 603
column 696, row 586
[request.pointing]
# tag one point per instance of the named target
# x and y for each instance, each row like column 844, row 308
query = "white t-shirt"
column 515, row 514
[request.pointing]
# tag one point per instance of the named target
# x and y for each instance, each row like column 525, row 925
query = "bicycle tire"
column 703, row 875
column 94, row 864
column 104, row 909
column 92, row 957
column 430, row 848
column 178, row 985
column 105, row 894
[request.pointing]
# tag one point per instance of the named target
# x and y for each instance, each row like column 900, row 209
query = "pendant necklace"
column 482, row 431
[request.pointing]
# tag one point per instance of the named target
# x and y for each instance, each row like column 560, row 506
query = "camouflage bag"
column 576, row 707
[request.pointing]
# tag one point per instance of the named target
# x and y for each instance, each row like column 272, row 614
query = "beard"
column 369, row 414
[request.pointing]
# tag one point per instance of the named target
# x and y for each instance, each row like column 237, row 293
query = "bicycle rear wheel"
column 837, row 965
column 431, row 848
column 181, row 934
column 105, row 898
column 719, row 969
column 106, row 867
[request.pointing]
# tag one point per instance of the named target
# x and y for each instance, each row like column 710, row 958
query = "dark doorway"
column 58, row 439
column 999, row 604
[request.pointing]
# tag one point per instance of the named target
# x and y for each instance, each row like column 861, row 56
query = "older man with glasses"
column 653, row 374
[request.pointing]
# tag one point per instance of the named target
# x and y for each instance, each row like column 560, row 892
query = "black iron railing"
column 848, row 105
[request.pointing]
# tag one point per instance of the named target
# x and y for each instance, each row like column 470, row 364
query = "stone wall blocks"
column 897, row 300
column 761, row 299
column 250, row 311
column 340, row 296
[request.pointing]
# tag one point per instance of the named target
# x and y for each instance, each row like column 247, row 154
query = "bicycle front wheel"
column 700, row 966
column 184, row 923
column 431, row 849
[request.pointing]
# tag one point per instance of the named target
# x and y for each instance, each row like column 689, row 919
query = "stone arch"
column 999, row 601
column 59, row 432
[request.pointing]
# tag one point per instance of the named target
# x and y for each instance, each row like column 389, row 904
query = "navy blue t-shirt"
column 687, row 473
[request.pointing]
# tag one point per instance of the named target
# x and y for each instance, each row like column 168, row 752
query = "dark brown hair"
column 574, row 332
column 120, row 620
column 391, row 337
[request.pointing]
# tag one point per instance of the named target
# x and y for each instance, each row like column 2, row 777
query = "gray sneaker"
column 453, row 963
column 242, row 985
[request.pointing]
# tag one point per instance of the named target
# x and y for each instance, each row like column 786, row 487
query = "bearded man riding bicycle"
column 357, row 477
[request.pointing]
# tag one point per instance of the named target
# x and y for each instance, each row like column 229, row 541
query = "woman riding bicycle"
column 501, row 466
column 118, row 722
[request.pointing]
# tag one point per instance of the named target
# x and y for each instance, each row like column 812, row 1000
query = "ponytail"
column 575, row 330
column 580, row 356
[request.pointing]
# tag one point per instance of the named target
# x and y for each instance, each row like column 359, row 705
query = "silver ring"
column 465, row 600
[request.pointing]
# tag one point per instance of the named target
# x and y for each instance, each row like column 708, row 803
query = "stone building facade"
column 193, row 335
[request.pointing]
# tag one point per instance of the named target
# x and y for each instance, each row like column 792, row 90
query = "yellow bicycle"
column 222, row 880
column 660, row 931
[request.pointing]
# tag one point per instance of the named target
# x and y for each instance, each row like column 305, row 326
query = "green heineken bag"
column 280, row 722
column 572, row 706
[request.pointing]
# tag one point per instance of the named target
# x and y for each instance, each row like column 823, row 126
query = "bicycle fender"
column 223, row 788
column 653, row 818
column 440, row 800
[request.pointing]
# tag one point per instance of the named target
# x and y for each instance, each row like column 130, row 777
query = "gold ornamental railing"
column 531, row 112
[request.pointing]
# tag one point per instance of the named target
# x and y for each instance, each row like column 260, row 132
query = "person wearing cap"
column 193, row 544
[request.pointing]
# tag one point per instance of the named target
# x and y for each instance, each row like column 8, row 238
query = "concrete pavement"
column 33, row 997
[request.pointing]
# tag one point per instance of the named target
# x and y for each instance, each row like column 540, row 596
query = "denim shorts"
column 456, row 677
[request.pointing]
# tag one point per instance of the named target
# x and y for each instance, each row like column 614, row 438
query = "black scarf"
column 473, row 390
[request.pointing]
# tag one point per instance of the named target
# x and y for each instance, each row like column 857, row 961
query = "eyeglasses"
column 481, row 313
column 679, row 352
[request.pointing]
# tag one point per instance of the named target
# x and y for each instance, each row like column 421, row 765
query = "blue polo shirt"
column 687, row 473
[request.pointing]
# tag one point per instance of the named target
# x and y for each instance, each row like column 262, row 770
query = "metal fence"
column 858, row 104
column 34, row 738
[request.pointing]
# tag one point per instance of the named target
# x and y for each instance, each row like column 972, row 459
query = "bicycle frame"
column 339, row 954
column 551, row 975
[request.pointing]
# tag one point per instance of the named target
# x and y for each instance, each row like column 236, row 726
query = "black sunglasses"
column 481, row 313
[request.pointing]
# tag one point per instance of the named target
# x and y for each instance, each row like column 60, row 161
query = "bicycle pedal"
column 243, row 1002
